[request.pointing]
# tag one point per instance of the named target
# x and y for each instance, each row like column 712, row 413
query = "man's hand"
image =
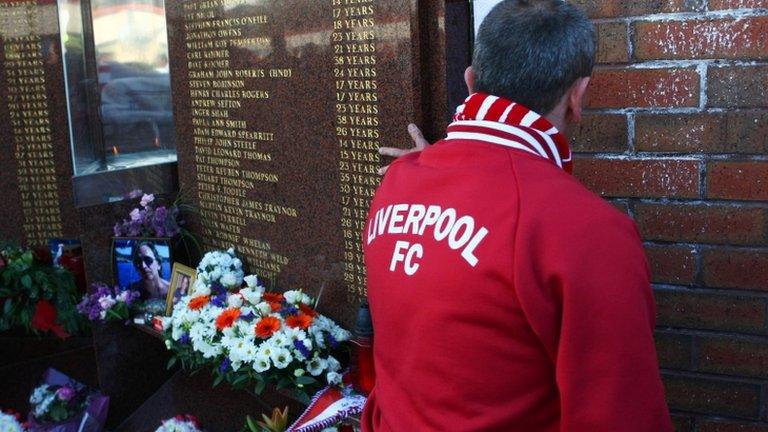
column 419, row 144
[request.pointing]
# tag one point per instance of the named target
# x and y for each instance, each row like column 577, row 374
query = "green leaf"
column 260, row 385
column 239, row 380
column 218, row 380
column 251, row 424
column 26, row 281
column 305, row 380
column 171, row 362
column 7, row 306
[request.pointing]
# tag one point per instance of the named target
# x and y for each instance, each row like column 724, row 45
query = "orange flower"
column 306, row 310
column 301, row 321
column 198, row 302
column 267, row 326
column 273, row 297
column 275, row 307
column 227, row 318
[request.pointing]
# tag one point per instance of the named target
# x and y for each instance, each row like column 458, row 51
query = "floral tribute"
column 36, row 296
column 11, row 422
column 107, row 304
column 219, row 267
column 249, row 336
column 180, row 423
column 56, row 403
column 150, row 221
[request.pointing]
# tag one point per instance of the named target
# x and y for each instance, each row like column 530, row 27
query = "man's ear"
column 469, row 78
column 576, row 99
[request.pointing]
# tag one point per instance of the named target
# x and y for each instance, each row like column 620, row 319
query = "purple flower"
column 134, row 194
column 136, row 215
column 249, row 317
column 332, row 340
column 66, row 393
column 117, row 230
column 225, row 365
column 184, row 339
column 220, row 300
column 302, row 348
column 146, row 199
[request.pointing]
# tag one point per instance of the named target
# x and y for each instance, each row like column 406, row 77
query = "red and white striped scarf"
column 496, row 120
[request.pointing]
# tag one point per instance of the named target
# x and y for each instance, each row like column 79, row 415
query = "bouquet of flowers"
column 35, row 295
column 219, row 267
column 150, row 221
column 11, row 422
column 105, row 303
column 56, row 403
column 252, row 336
column 61, row 404
column 180, row 423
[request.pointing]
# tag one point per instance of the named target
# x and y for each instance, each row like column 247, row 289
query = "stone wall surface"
column 676, row 136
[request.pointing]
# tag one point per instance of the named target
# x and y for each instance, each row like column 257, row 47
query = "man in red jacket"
column 505, row 296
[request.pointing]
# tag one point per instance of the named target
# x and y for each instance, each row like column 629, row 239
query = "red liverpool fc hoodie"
column 506, row 296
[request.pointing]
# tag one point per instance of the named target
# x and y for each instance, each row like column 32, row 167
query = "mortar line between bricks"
column 630, row 41
column 703, row 180
column 714, row 334
column 704, row 202
column 703, row 99
column 713, row 377
column 688, row 16
column 631, row 133
column 701, row 157
column 724, row 292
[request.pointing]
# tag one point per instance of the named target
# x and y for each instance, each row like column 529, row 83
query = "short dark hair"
column 137, row 248
column 532, row 51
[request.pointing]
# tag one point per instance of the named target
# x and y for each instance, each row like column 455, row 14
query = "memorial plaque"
column 35, row 168
column 280, row 108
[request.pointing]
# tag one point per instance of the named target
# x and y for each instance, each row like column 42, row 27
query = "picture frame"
column 144, row 264
column 182, row 283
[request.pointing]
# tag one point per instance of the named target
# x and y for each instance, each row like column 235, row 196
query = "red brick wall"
column 676, row 135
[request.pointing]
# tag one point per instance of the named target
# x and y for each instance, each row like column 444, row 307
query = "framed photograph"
column 143, row 265
column 64, row 250
column 182, row 280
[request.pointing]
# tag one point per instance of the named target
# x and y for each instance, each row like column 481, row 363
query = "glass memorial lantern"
column 119, row 98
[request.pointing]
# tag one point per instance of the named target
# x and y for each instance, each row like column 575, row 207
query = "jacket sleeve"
column 585, row 290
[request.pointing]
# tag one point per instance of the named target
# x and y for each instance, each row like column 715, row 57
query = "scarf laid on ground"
column 496, row 120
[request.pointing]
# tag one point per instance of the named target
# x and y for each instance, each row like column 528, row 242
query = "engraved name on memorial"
column 281, row 109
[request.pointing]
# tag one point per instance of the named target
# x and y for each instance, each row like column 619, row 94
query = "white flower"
column 251, row 280
column 173, row 425
column 252, row 295
column 237, row 263
column 229, row 279
column 106, row 302
column 334, row 378
column 38, row 394
column 123, row 296
column 281, row 357
column 264, row 308
column 9, row 424
column 167, row 344
column 333, row 364
column 292, row 296
column 261, row 363
column 234, row 300
column 316, row 366
column 201, row 288
column 305, row 299
column 298, row 372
